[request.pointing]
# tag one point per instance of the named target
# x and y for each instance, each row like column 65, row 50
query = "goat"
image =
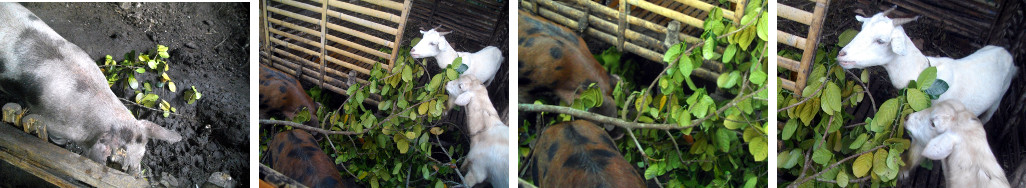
column 489, row 138
column 297, row 155
column 580, row 154
column 555, row 63
column 949, row 132
column 979, row 80
column 282, row 93
column 62, row 84
column 482, row 64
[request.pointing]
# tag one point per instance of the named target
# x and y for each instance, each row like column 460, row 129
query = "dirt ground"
column 209, row 45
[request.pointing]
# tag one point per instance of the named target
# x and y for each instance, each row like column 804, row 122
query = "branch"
column 596, row 117
column 796, row 183
column 309, row 128
column 133, row 103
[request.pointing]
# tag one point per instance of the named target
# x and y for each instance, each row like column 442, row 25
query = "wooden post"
column 57, row 165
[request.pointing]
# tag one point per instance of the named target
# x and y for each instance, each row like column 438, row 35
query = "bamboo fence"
column 330, row 42
column 807, row 44
column 639, row 27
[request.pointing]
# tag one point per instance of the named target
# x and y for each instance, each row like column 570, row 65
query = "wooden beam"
column 57, row 165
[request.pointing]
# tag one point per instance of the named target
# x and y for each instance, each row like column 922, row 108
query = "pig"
column 59, row 81
column 297, row 155
column 555, row 63
column 282, row 94
column 580, row 154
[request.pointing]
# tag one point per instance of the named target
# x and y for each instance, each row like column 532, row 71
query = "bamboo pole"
column 810, row 46
column 669, row 13
column 791, row 40
column 361, row 22
column 791, row 13
column 727, row 13
column 367, row 11
column 788, row 64
column 359, row 47
column 324, row 55
column 407, row 4
column 358, row 34
column 387, row 4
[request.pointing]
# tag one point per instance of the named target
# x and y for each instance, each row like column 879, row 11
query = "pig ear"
column 941, row 146
column 156, row 132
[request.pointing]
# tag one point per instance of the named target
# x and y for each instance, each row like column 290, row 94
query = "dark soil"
column 209, row 45
column 931, row 38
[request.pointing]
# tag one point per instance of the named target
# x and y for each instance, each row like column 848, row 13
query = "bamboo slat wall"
column 330, row 42
column 807, row 44
column 637, row 26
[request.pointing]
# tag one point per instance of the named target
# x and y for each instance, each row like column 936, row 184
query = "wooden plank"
column 407, row 4
column 791, row 13
column 788, row 64
column 727, row 13
column 819, row 14
column 366, row 11
column 791, row 40
column 387, row 4
column 683, row 18
column 43, row 156
column 362, row 22
column 788, row 85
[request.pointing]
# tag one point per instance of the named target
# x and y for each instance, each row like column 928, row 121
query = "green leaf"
column 407, row 74
column 796, row 155
column 171, row 86
column 842, row 179
column 728, row 53
column 734, row 121
column 652, row 171
column 708, row 50
column 702, row 107
column 859, row 141
column 673, row 52
column 938, row 88
column 880, row 162
column 401, row 143
column 140, row 70
column 822, row 156
column 162, row 51
column 757, row 76
column 927, row 77
column 865, row 76
column 861, row 166
column 763, row 27
column 685, row 66
column 917, row 99
column 723, row 138
column 684, row 119
column 830, row 100
column 885, row 116
column 132, row 82
column 845, row 37
column 789, row 129
column 758, row 148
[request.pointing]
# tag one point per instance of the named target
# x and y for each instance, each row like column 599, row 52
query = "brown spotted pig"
column 297, row 155
column 580, row 154
column 282, row 94
column 555, row 63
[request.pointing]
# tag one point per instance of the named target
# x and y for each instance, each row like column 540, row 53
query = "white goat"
column 978, row 80
column 482, row 64
column 951, row 133
column 489, row 138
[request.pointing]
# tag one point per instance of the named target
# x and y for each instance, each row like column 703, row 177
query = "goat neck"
column 903, row 68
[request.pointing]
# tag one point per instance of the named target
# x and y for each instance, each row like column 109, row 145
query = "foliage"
column 397, row 139
column 717, row 134
column 822, row 141
column 129, row 70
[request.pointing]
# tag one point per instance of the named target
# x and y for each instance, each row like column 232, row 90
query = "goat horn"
column 888, row 11
column 901, row 21
column 436, row 27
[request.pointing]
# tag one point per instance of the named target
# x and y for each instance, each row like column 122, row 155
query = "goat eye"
column 880, row 41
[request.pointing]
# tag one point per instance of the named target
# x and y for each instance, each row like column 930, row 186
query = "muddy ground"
column 209, row 45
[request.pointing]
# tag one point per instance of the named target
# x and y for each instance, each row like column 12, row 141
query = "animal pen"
column 332, row 43
column 960, row 28
column 57, row 165
column 645, row 28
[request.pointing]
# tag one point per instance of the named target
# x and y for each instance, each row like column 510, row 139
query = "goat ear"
column 898, row 45
column 941, row 146
column 156, row 132
column 464, row 98
column 444, row 33
column 860, row 18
